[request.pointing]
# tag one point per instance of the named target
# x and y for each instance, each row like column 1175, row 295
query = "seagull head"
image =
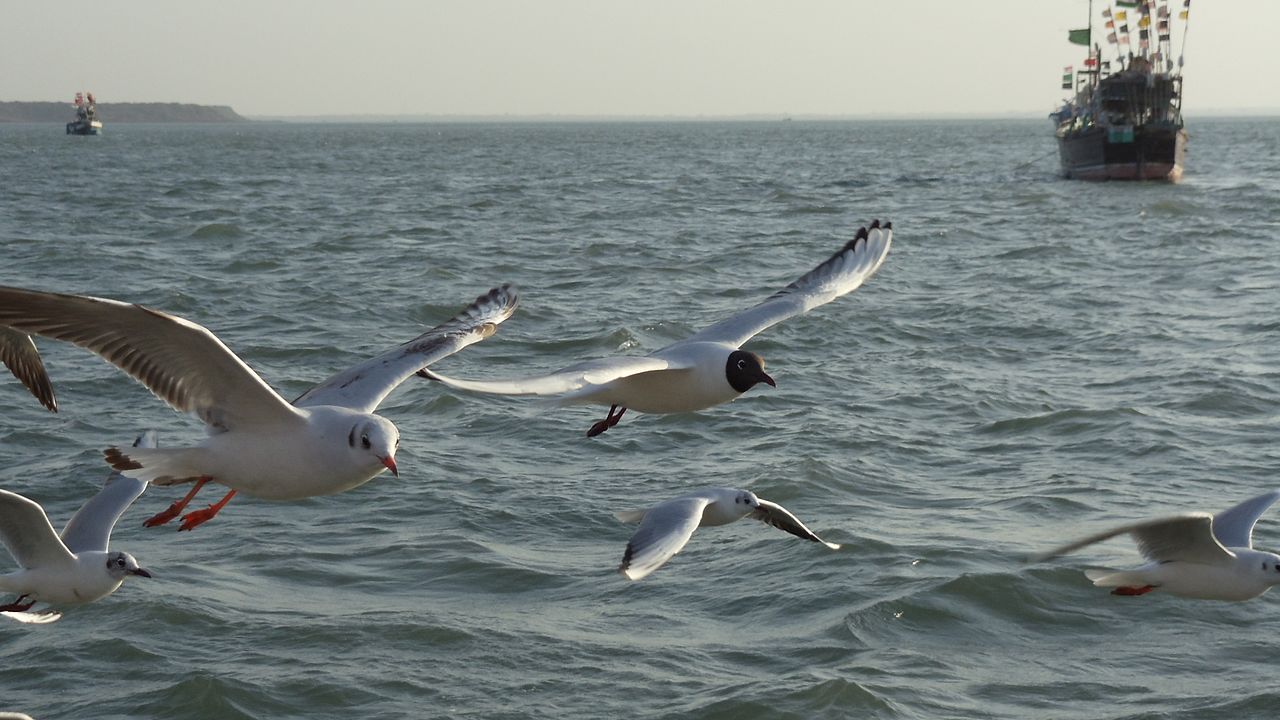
column 1268, row 565
column 746, row 498
column 120, row 564
column 378, row 437
column 745, row 369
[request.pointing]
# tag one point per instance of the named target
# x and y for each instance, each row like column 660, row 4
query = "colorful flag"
column 1112, row 39
column 1126, row 4
column 1144, row 22
column 1066, row 78
column 1182, row 15
column 1106, row 13
column 1163, row 26
column 1078, row 37
column 1122, row 15
column 1124, row 29
column 1110, row 24
column 1163, row 12
column 1091, row 62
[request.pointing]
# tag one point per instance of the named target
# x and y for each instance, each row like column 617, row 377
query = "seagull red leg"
column 1131, row 591
column 177, row 507
column 18, row 605
column 609, row 421
column 199, row 517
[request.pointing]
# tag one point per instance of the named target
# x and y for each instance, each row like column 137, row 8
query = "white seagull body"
column 326, row 441
column 76, row 567
column 1195, row 555
column 707, row 368
column 666, row 527
column 19, row 354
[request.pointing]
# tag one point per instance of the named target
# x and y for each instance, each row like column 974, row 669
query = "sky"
column 604, row 57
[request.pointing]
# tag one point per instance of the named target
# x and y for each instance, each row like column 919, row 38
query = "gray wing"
column 842, row 273
column 779, row 517
column 25, row 530
column 364, row 386
column 663, row 532
column 1234, row 527
column 565, row 380
column 181, row 362
column 1187, row 537
column 19, row 354
column 90, row 528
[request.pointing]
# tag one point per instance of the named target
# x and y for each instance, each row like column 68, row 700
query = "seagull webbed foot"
column 609, row 421
column 18, row 605
column 199, row 517
column 1133, row 591
column 176, row 507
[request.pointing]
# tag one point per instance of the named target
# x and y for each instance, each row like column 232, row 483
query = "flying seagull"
column 19, row 354
column 707, row 368
column 1195, row 555
column 73, row 568
column 326, row 441
column 667, row 526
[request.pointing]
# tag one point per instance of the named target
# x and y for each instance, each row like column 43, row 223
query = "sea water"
column 1036, row 360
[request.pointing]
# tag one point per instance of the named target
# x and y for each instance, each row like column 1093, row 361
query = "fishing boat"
column 1124, row 121
column 86, row 122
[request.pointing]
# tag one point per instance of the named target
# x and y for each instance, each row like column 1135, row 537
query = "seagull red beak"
column 390, row 462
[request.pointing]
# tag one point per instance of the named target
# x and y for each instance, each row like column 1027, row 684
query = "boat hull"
column 84, row 128
column 1110, row 153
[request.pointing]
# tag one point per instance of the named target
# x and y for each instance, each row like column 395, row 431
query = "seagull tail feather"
column 1113, row 578
column 161, row 466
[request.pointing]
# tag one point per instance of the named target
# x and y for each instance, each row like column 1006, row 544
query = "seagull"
column 326, row 441
column 18, row 353
column 707, row 368
column 667, row 526
column 1194, row 554
column 76, row 567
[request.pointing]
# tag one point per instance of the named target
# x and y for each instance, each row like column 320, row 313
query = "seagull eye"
column 742, row 364
column 364, row 441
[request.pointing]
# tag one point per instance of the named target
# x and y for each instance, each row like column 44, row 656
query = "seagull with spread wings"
column 1195, row 555
column 707, row 368
column 666, row 527
column 75, row 567
column 326, row 441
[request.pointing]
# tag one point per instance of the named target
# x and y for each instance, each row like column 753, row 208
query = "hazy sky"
column 602, row 57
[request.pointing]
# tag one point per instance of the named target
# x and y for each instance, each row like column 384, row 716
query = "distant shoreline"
column 157, row 112
column 411, row 118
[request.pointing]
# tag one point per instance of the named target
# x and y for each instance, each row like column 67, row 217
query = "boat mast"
column 1093, row 77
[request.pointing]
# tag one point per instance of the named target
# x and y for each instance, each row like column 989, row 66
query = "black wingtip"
column 888, row 226
column 875, row 224
column 861, row 234
column 119, row 461
column 626, row 560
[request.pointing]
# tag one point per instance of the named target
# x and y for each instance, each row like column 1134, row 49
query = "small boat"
column 1127, row 124
column 86, row 122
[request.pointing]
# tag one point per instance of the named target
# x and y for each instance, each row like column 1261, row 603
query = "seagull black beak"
column 764, row 378
column 141, row 572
